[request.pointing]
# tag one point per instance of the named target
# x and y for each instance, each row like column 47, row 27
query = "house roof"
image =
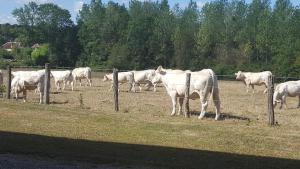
column 36, row 45
column 11, row 45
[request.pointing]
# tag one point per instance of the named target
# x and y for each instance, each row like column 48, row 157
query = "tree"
column 48, row 23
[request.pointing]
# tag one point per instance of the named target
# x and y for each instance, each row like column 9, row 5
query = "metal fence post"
column 271, row 115
column 8, row 88
column 46, row 84
column 116, row 89
column 187, row 92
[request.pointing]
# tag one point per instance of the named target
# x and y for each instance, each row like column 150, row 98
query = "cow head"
column 240, row 75
column 160, row 71
column 276, row 98
column 105, row 78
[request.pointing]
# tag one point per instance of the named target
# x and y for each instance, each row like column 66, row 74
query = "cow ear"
column 235, row 74
column 159, row 69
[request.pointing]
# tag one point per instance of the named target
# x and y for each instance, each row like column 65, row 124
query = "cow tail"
column 89, row 74
column 215, row 88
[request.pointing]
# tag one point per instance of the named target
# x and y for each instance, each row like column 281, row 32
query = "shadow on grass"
column 55, row 102
column 222, row 117
column 109, row 152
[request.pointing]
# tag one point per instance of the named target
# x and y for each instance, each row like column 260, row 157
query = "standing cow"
column 62, row 77
column 157, row 80
column 251, row 79
column 202, row 83
column 282, row 90
column 123, row 77
column 82, row 73
column 31, row 80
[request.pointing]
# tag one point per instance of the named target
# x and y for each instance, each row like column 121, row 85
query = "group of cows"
column 203, row 84
column 35, row 80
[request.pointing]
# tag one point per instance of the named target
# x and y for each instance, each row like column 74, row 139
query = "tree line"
column 225, row 35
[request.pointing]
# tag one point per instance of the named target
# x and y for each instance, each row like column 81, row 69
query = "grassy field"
column 143, row 132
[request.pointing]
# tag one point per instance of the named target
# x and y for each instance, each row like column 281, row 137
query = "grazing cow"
column 123, row 77
column 28, row 81
column 62, row 77
column 251, row 79
column 201, row 84
column 144, row 77
column 282, row 90
column 82, row 73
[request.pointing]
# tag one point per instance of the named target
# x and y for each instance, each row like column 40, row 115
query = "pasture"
column 82, row 125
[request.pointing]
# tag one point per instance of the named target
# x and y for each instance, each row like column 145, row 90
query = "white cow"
column 251, row 79
column 123, row 77
column 62, row 77
column 144, row 77
column 201, row 84
column 28, row 81
column 282, row 90
column 82, row 73
column 157, row 81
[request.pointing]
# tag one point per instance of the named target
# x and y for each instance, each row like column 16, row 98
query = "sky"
column 7, row 6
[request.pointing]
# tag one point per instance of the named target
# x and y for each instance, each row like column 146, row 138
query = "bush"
column 5, row 54
column 40, row 55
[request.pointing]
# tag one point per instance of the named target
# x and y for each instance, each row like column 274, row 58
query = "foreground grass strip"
column 175, row 142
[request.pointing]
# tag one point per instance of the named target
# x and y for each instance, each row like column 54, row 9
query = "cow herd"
column 23, row 81
column 203, row 84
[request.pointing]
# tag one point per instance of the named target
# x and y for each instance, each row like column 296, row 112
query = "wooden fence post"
column 46, row 84
column 187, row 92
column 8, row 88
column 270, row 101
column 116, row 89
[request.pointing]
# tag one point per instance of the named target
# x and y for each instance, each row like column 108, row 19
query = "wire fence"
column 235, row 102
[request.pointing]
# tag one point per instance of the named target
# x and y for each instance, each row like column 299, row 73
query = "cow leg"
column 180, row 105
column 24, row 95
column 57, row 86
column 252, row 86
column 17, row 95
column 139, row 85
column 203, row 109
column 218, row 109
column 284, row 101
column 41, row 96
column 64, row 86
column 174, row 100
column 79, row 82
column 90, row 82
column 247, row 86
column 132, row 87
column 154, row 87
column 72, row 85
column 204, row 104
column 266, row 90
column 148, row 86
